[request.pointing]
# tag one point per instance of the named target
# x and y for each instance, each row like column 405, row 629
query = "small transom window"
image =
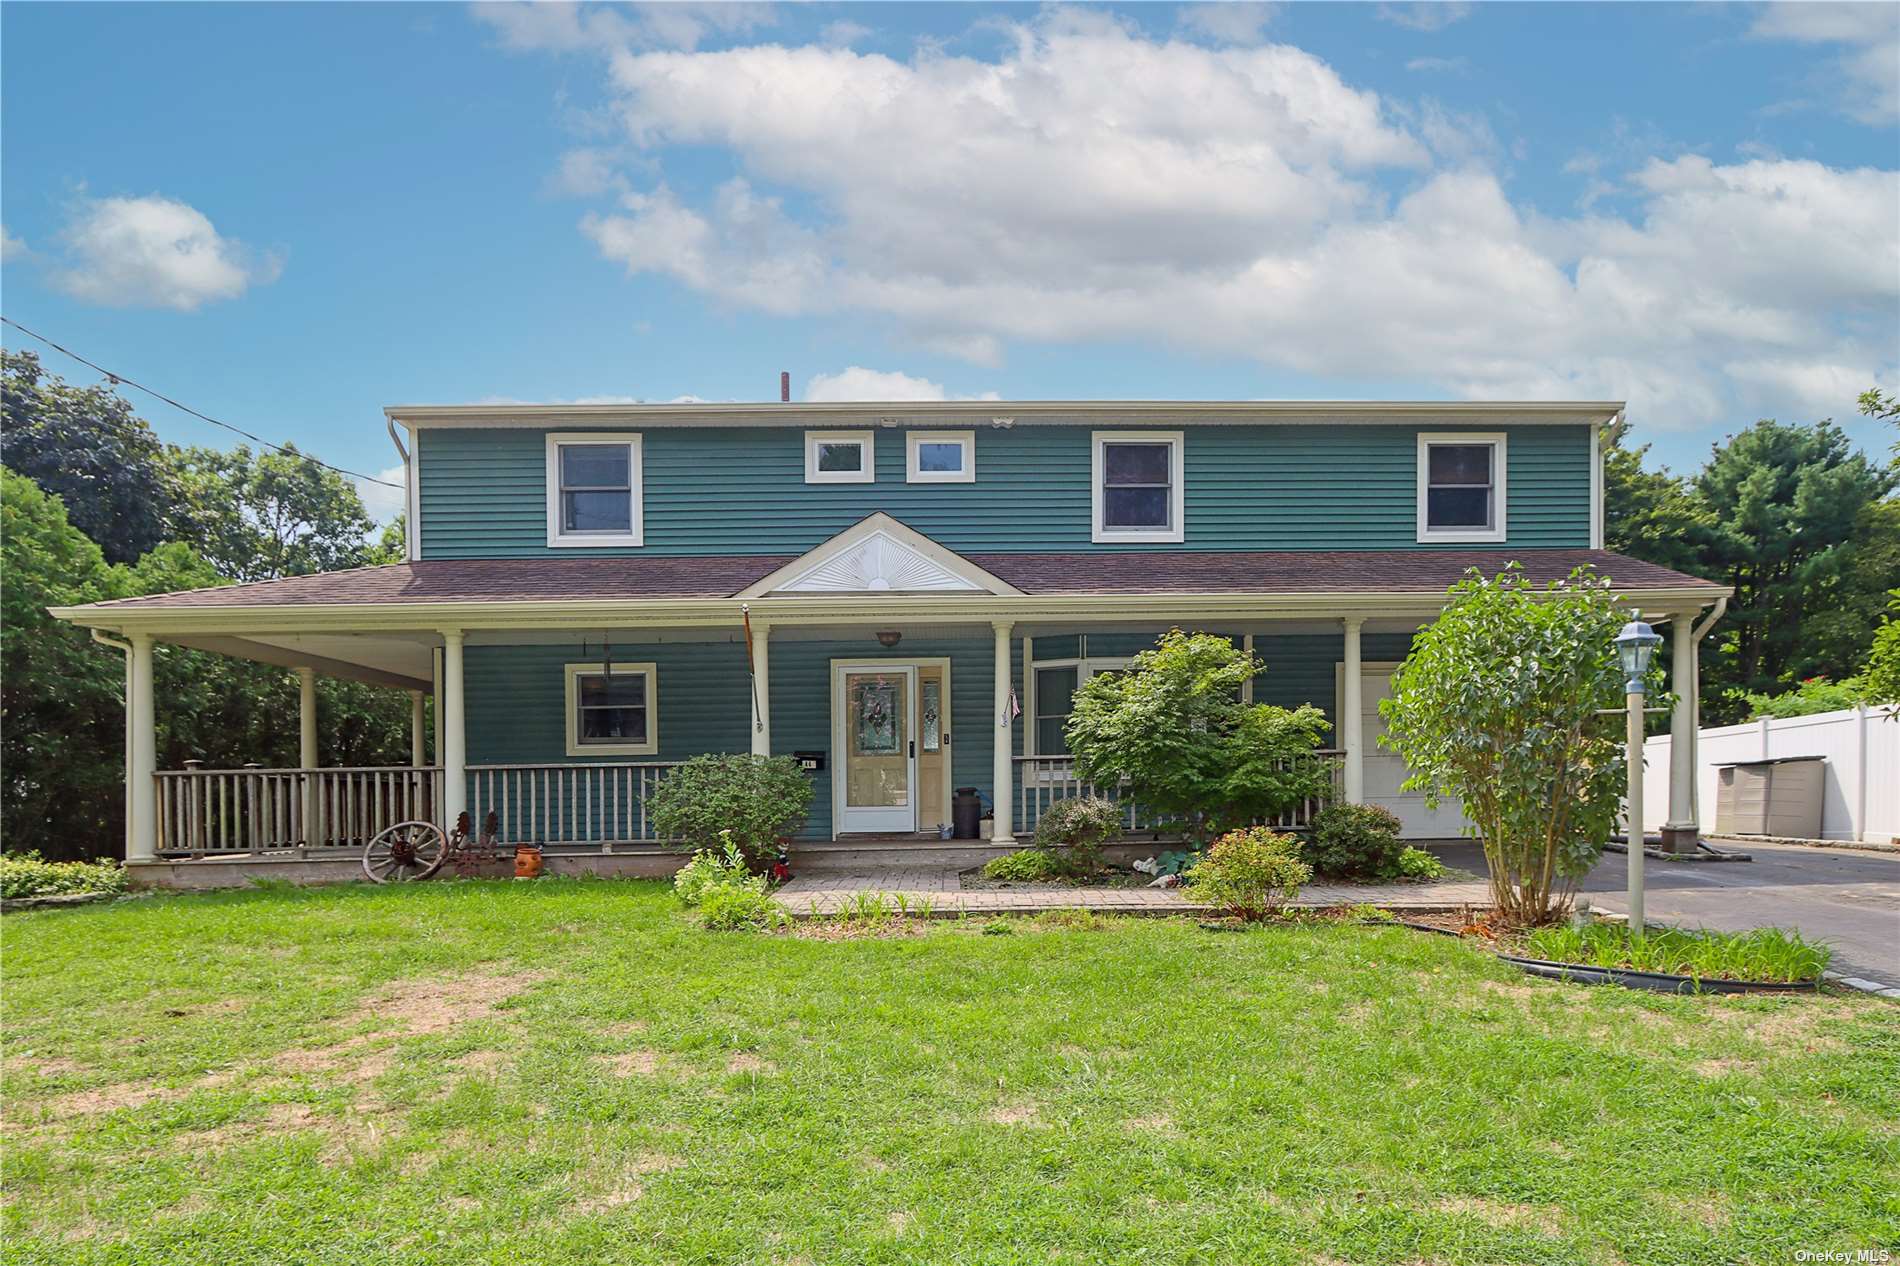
column 940, row 457
column 1138, row 492
column 611, row 713
column 593, row 489
column 1461, row 488
column 839, row 457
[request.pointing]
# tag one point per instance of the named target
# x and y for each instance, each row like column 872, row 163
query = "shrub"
column 1510, row 703
column 1354, row 841
column 1192, row 753
column 709, row 869
column 29, row 875
column 740, row 908
column 1416, row 863
column 1250, row 873
column 1081, row 825
column 756, row 800
column 1026, row 866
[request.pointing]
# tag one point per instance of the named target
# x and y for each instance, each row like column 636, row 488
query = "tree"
column 259, row 516
column 1500, row 706
column 1650, row 514
column 1881, row 681
column 1175, row 728
column 85, row 446
column 1790, row 505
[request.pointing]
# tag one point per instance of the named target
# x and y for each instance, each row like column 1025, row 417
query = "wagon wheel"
column 405, row 851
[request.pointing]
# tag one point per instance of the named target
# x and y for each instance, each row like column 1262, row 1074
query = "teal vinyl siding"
column 741, row 491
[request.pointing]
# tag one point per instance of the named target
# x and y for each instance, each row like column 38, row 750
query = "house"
column 903, row 595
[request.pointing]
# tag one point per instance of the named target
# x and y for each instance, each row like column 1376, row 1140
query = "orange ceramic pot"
column 527, row 862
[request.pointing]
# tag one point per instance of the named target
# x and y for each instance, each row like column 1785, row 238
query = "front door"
column 875, row 711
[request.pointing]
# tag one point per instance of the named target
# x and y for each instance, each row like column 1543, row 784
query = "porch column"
column 1351, row 706
column 454, row 733
column 307, row 756
column 1680, row 832
column 761, row 691
column 418, row 745
column 141, row 721
column 1003, row 767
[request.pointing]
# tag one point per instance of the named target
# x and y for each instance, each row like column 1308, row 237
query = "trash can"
column 1780, row 797
column 966, row 810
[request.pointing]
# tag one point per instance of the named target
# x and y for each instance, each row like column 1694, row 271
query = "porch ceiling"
column 402, row 660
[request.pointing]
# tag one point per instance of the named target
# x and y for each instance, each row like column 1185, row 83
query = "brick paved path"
column 822, row 892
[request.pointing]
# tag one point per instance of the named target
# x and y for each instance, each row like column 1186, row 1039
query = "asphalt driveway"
column 1847, row 898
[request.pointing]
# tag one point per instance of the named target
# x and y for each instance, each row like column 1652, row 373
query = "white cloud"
column 558, row 26
column 383, row 504
column 1448, row 65
column 859, row 383
column 1230, row 21
column 154, row 252
column 1429, row 15
column 1095, row 185
column 586, row 172
column 1866, row 76
column 843, row 34
column 11, row 247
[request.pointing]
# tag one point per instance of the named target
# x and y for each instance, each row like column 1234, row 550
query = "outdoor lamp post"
column 1634, row 645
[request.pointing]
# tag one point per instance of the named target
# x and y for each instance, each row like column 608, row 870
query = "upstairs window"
column 839, row 457
column 612, row 714
column 594, row 484
column 940, row 457
column 1138, row 493
column 1461, row 487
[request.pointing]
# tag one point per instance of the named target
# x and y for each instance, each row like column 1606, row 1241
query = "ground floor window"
column 1054, row 683
column 612, row 710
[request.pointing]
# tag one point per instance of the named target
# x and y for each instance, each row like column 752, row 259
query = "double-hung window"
column 594, row 486
column 1137, row 494
column 1461, row 487
column 839, row 457
column 612, row 710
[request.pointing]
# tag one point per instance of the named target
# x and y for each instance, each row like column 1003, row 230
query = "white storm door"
column 1385, row 772
column 874, row 711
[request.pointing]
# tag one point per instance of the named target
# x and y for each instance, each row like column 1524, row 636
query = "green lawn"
column 570, row 1072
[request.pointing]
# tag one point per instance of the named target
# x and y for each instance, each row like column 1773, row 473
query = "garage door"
column 1385, row 772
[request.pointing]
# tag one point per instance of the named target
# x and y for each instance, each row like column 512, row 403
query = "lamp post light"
column 1634, row 645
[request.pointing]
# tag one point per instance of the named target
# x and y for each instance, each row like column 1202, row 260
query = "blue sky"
column 291, row 215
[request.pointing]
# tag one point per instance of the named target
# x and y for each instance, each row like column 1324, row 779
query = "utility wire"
column 122, row 380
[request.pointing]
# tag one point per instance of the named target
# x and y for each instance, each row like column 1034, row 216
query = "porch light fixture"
column 888, row 638
column 1634, row 645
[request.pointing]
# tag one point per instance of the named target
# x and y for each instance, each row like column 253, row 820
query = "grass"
column 1765, row 955
column 571, row 1072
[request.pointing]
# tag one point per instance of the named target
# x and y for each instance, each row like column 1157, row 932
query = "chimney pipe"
column 784, row 386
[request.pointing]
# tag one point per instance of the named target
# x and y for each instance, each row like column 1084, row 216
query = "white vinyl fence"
column 1860, row 794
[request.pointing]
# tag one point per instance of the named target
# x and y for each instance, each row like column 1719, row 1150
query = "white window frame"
column 636, row 535
column 867, row 475
column 574, row 672
column 913, row 440
column 1085, row 667
column 1467, row 536
column 1176, row 531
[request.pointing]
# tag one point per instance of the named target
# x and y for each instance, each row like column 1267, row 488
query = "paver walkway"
column 821, row 891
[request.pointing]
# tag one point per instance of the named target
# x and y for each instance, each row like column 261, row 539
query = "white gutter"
column 411, row 520
column 1697, row 633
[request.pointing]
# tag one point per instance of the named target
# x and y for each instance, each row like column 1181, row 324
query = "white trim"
column 557, row 539
column 1597, row 508
column 573, row 673
column 867, row 472
column 786, row 580
column 840, row 741
column 1176, row 531
column 1085, row 666
column 966, row 475
column 1499, row 502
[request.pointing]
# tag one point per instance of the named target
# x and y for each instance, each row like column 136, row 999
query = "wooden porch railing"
column 604, row 804
column 1043, row 780
column 213, row 811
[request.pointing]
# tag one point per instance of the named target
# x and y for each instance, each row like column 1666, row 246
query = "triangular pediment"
column 878, row 555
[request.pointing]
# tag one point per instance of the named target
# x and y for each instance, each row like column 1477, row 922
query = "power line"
column 122, row 380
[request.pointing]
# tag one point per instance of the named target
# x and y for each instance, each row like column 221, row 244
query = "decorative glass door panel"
column 880, row 754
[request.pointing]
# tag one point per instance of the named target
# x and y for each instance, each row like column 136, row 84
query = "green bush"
column 1080, row 825
column 1250, row 873
column 709, row 869
column 29, row 875
column 739, row 908
column 1416, row 863
column 1354, row 841
column 1028, row 865
column 756, row 801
